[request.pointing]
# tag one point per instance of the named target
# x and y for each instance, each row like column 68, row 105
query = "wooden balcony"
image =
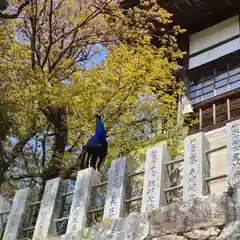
column 216, row 112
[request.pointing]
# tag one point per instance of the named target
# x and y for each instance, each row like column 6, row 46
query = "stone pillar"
column 114, row 205
column 196, row 166
column 18, row 215
column 4, row 207
column 155, row 178
column 81, row 199
column 233, row 153
column 49, row 210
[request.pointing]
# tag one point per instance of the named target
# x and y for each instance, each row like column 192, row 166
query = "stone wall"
column 210, row 217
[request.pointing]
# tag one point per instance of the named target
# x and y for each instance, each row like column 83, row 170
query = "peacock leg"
column 90, row 161
column 98, row 173
column 97, row 166
column 86, row 160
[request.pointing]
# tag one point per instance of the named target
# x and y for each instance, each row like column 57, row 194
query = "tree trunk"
column 58, row 117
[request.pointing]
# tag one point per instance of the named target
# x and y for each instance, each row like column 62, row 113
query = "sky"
column 102, row 54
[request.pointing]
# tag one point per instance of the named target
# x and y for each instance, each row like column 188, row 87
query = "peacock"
column 95, row 151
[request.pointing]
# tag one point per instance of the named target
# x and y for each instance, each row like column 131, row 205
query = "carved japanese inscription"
column 192, row 178
column 17, row 215
column 81, row 199
column 233, row 142
column 196, row 166
column 115, row 194
column 155, row 178
column 47, row 208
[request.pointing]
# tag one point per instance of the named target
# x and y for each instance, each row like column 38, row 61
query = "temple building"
column 212, row 63
column 211, row 70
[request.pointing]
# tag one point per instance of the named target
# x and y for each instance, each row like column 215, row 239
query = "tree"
column 52, row 97
column 4, row 5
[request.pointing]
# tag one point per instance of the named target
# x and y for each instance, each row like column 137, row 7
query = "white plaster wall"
column 214, row 34
column 214, row 54
column 211, row 36
column 218, row 160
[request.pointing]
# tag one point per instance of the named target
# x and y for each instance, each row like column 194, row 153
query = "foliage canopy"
column 49, row 96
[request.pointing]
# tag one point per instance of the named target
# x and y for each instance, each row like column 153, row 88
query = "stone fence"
column 156, row 186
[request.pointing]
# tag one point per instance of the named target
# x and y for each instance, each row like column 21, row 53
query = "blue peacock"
column 95, row 151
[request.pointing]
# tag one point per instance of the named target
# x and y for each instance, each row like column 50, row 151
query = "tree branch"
column 21, row 143
column 33, row 20
column 26, row 175
column 50, row 34
column 15, row 15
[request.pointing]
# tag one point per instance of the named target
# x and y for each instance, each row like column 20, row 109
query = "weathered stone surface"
column 18, row 215
column 170, row 237
column 81, row 198
column 193, row 214
column 114, row 205
column 231, row 231
column 49, row 210
column 155, row 178
column 135, row 225
column 196, row 166
column 181, row 217
column 233, row 144
column 202, row 234
column 4, row 206
column 233, row 148
column 213, row 231
column 197, row 235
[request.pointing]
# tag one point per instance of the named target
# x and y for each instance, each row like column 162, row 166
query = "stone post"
column 196, row 166
column 233, row 153
column 4, row 207
column 155, row 178
column 49, row 210
column 114, row 205
column 18, row 215
column 81, row 200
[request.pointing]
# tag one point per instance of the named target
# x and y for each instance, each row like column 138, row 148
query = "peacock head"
column 98, row 117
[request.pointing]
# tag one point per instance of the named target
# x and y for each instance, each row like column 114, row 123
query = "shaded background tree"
column 4, row 4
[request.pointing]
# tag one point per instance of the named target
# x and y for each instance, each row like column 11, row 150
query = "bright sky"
column 98, row 57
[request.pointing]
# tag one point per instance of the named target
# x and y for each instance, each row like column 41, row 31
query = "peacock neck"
column 100, row 132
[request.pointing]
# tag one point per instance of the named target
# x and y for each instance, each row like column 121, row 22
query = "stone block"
column 81, row 200
column 196, row 166
column 231, row 231
column 170, row 237
column 233, row 153
column 114, row 205
column 4, row 206
column 155, row 178
column 18, row 215
column 49, row 210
